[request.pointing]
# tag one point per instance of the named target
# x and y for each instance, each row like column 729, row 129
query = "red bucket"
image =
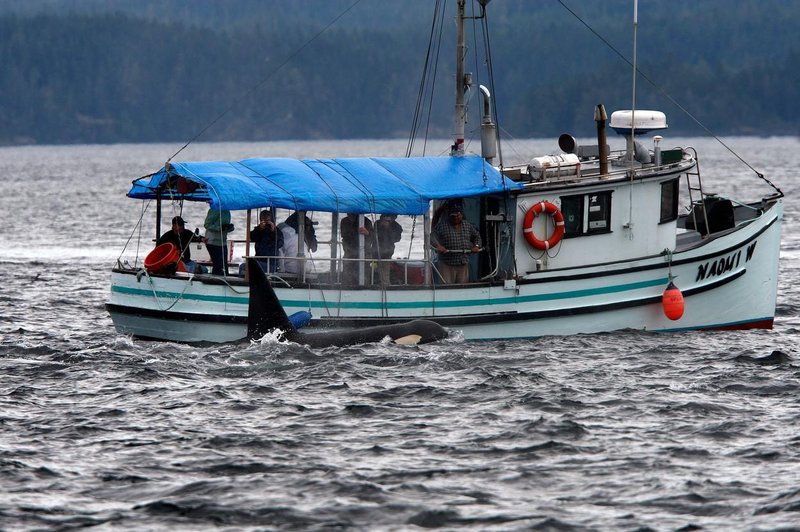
column 164, row 258
column 408, row 272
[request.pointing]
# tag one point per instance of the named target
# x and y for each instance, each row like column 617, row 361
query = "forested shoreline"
column 111, row 74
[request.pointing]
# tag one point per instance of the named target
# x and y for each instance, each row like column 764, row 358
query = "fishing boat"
column 584, row 240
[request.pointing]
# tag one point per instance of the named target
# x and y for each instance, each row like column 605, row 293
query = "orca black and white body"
column 265, row 314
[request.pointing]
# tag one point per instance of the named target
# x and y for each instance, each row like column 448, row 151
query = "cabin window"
column 587, row 214
column 669, row 201
column 598, row 213
column 572, row 209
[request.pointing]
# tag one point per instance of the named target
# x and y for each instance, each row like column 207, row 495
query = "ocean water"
column 624, row 431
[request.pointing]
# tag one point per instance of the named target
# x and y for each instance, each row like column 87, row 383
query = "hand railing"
column 405, row 272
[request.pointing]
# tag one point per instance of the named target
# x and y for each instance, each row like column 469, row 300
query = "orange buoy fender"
column 164, row 258
column 672, row 302
column 558, row 221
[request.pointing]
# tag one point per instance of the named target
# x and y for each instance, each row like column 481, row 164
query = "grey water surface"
column 624, row 431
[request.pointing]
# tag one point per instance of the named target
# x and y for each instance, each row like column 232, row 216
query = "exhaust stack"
column 488, row 128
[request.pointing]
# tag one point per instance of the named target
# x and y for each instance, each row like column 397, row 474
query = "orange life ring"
column 558, row 221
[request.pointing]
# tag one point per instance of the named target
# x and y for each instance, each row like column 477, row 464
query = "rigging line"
column 435, row 72
column 265, row 79
column 670, row 98
column 422, row 83
column 477, row 68
column 428, row 72
column 411, row 241
column 668, row 257
column 511, row 140
column 139, row 226
column 490, row 68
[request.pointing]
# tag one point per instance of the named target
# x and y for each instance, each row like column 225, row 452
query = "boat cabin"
column 580, row 206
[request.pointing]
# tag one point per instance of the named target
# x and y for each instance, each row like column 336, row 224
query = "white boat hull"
column 584, row 241
column 728, row 281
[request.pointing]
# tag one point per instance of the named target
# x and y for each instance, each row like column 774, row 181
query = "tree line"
column 108, row 77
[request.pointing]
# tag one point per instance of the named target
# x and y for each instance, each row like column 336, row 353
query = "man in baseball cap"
column 182, row 239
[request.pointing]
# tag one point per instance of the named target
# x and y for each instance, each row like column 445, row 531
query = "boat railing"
column 589, row 169
column 400, row 271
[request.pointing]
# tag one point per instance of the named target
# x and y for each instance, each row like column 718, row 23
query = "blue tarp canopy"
column 358, row 185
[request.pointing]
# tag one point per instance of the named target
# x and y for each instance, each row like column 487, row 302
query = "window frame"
column 673, row 214
column 580, row 199
column 584, row 211
column 588, row 230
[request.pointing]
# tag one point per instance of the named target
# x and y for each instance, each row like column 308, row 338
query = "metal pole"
column 158, row 216
column 301, row 243
column 247, row 233
column 247, row 244
column 633, row 90
column 360, row 224
column 460, row 109
column 334, row 245
column 426, row 246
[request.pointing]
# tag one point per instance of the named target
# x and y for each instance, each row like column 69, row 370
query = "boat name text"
column 724, row 264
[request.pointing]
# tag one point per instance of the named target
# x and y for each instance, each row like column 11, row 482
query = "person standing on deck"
column 181, row 238
column 289, row 230
column 350, row 231
column 389, row 233
column 268, row 240
column 455, row 238
column 218, row 225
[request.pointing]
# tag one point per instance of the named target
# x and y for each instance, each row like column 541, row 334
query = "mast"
column 462, row 84
column 632, row 141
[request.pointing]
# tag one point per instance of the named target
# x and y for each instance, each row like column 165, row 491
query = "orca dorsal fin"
column 265, row 312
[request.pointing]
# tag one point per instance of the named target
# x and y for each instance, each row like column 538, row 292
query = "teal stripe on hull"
column 172, row 296
column 460, row 303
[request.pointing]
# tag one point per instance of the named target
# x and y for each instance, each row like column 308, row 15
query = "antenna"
column 631, row 141
column 633, row 89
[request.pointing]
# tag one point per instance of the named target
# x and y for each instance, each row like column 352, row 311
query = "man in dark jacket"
column 182, row 239
column 268, row 240
column 389, row 233
column 350, row 232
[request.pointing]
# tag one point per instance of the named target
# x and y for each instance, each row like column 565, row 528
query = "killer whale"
column 776, row 358
column 265, row 313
